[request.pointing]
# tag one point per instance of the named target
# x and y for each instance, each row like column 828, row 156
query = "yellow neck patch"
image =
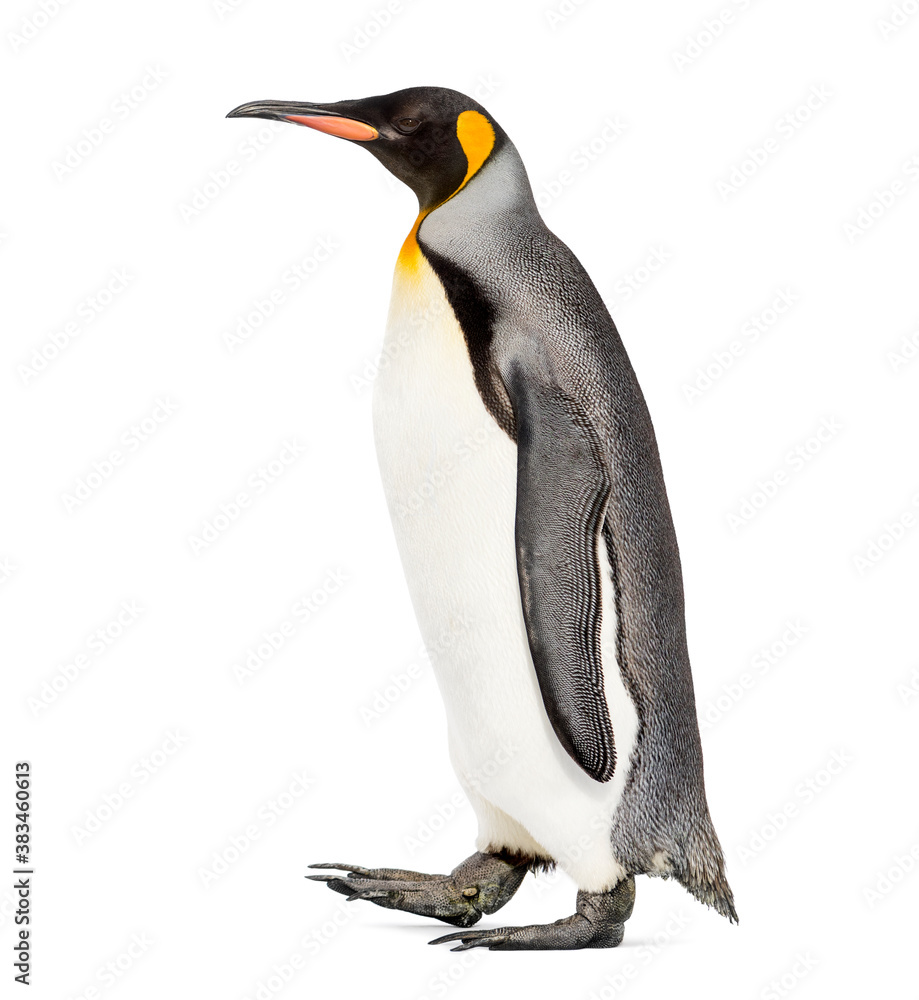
column 477, row 137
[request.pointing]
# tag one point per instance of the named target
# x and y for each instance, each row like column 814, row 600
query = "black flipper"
column 563, row 488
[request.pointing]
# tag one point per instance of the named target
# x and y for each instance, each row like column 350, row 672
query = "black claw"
column 458, row 936
column 351, row 869
column 369, row 894
column 472, row 939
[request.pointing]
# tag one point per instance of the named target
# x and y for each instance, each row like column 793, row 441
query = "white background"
column 810, row 753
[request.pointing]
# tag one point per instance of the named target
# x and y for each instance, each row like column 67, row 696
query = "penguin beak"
column 312, row 115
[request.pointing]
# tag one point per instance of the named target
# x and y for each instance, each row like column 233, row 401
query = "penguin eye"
column 407, row 125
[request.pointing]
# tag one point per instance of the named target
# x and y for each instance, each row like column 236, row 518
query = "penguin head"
column 431, row 138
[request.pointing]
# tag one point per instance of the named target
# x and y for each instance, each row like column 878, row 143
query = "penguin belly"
column 449, row 474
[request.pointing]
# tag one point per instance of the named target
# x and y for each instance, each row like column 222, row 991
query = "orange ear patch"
column 477, row 137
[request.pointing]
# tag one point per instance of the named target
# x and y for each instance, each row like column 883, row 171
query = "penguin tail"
column 702, row 871
column 715, row 893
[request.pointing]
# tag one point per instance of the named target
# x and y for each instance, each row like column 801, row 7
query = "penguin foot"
column 481, row 884
column 598, row 923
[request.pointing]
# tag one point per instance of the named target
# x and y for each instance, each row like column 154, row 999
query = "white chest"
column 448, row 470
column 449, row 473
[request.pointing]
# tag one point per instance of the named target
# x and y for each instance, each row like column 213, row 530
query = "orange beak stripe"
column 344, row 128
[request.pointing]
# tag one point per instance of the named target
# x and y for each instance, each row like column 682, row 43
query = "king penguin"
column 546, row 531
